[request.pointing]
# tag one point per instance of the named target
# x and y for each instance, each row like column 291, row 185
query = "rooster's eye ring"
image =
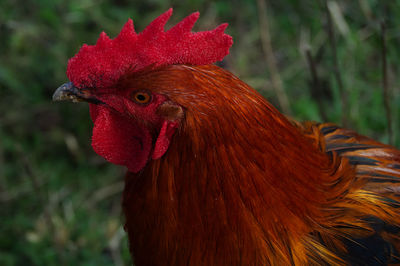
column 141, row 97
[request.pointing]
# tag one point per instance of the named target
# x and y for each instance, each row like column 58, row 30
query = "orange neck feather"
column 239, row 185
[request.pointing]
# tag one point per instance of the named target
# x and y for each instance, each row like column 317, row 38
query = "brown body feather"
column 242, row 185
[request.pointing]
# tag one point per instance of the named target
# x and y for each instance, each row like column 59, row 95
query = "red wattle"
column 120, row 140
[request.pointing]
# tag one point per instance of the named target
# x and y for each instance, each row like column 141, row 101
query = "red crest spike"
column 185, row 25
column 128, row 31
column 103, row 40
column 157, row 25
column 101, row 65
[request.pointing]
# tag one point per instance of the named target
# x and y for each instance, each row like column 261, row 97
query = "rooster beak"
column 68, row 92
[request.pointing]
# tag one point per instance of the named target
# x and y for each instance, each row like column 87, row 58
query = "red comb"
column 101, row 65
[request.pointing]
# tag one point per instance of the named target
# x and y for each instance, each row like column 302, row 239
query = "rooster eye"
column 142, row 97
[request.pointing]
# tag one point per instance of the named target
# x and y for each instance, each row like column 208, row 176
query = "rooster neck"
column 239, row 185
column 230, row 199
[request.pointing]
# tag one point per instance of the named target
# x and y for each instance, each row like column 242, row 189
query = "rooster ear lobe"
column 164, row 139
column 172, row 114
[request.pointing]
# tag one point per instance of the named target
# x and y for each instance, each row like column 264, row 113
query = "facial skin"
column 131, row 125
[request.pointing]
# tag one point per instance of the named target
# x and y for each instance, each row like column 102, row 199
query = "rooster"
column 216, row 175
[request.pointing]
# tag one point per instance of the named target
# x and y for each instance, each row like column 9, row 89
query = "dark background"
column 60, row 202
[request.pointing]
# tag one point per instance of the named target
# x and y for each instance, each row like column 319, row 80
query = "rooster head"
column 132, row 123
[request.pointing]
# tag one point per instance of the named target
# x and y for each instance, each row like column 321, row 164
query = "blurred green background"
column 60, row 202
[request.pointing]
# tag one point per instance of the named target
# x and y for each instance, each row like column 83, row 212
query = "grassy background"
column 60, row 202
